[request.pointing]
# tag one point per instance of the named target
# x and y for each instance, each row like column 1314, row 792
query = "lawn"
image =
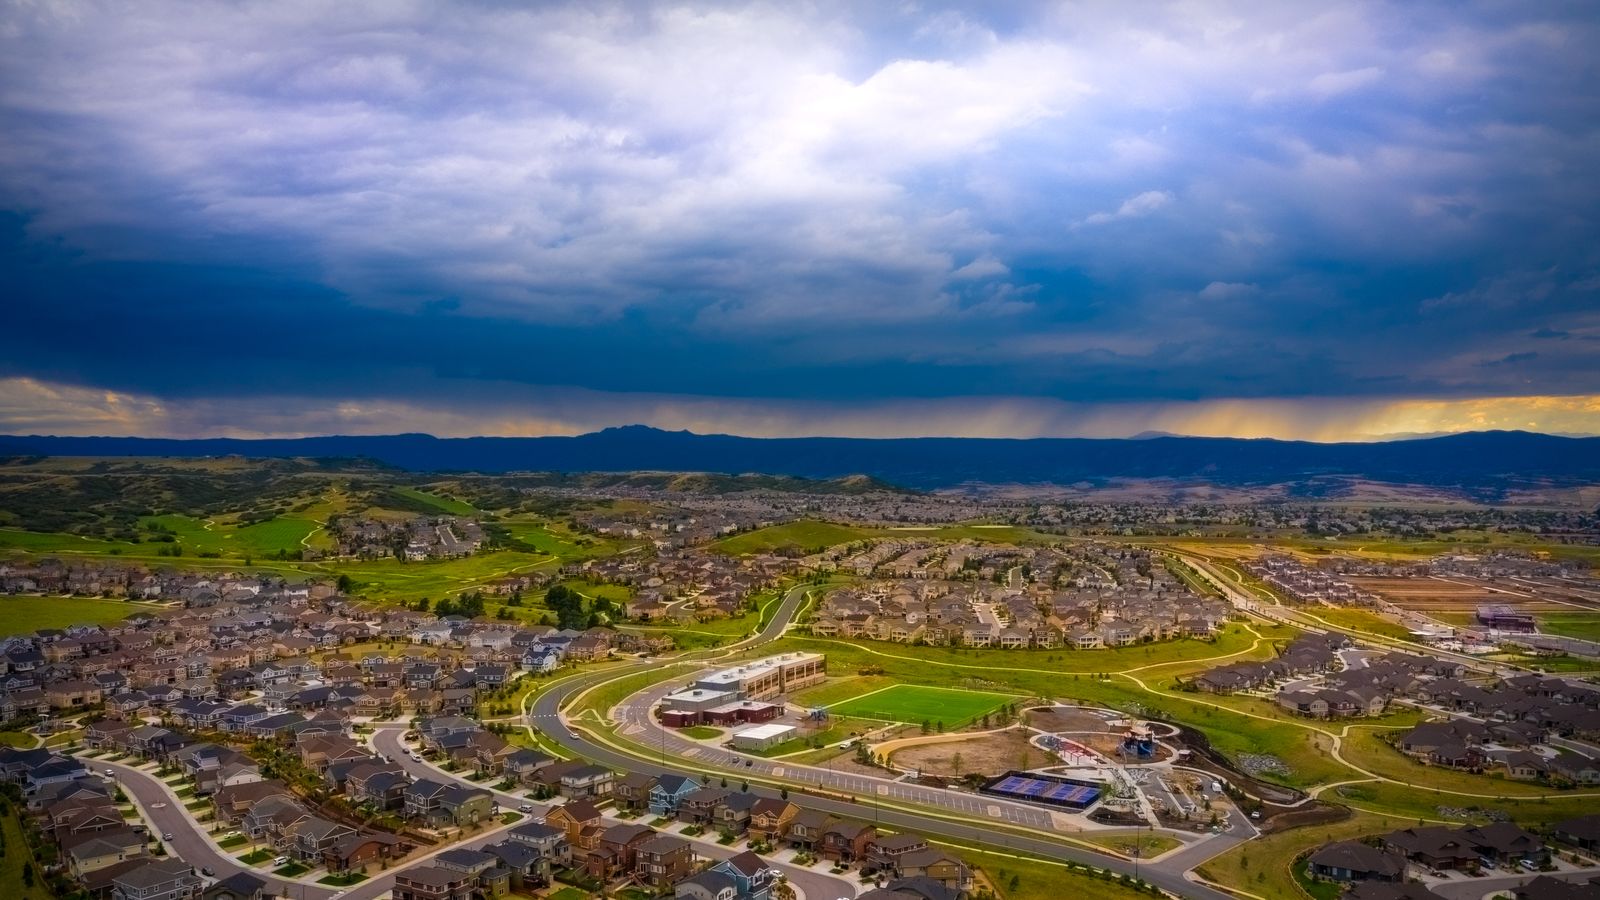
column 1027, row 878
column 21, row 615
column 17, row 739
column 292, row 870
column 701, row 732
column 259, row 855
column 915, row 703
column 1147, row 843
column 16, row 856
column 343, row 879
column 569, row 893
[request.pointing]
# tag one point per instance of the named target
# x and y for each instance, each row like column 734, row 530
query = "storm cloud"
column 791, row 218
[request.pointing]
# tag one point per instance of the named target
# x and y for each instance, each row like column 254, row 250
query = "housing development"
column 729, row 696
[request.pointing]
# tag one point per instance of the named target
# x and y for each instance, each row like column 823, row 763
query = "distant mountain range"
column 1481, row 463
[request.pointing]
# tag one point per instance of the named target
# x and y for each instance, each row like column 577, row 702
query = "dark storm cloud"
column 1131, row 204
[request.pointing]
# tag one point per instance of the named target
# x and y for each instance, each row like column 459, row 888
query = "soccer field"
column 914, row 703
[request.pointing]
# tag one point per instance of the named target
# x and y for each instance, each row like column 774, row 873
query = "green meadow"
column 21, row 615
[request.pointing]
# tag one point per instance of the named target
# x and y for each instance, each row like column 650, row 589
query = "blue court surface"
column 1052, row 789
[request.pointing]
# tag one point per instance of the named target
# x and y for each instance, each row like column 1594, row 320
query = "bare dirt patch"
column 988, row 754
column 1059, row 719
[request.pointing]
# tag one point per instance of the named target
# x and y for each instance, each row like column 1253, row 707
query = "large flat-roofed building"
column 760, row 737
column 1501, row 617
column 768, row 677
column 697, row 700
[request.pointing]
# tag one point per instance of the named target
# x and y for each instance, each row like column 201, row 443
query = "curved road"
column 189, row 841
column 545, row 715
column 814, row 885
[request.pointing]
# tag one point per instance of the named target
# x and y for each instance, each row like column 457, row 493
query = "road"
column 189, row 839
column 545, row 715
column 814, row 885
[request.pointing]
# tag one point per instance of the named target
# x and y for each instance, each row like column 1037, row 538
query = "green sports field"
column 915, row 703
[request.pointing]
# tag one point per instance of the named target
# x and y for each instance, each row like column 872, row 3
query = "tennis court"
column 1051, row 789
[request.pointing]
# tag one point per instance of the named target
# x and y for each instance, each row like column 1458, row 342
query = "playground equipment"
column 1139, row 741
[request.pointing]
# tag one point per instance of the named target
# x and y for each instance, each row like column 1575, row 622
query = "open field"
column 1559, row 607
column 1360, row 620
column 445, row 505
column 21, row 615
column 1571, row 624
column 805, row 535
column 914, row 703
column 387, row 578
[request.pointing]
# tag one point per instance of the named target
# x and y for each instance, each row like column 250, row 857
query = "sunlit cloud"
column 1163, row 215
column 33, row 407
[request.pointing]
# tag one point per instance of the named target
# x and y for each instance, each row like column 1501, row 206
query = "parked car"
column 207, row 872
column 281, row 861
column 525, row 808
column 166, row 836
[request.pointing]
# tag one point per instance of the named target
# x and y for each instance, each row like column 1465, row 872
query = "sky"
column 1322, row 221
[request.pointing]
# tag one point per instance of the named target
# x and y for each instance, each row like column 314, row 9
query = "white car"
column 281, row 861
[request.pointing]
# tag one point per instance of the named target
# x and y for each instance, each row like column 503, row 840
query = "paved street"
column 190, row 842
column 813, row 885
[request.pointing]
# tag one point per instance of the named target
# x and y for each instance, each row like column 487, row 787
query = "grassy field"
column 21, row 615
column 16, row 856
column 17, row 739
column 1574, row 624
column 1146, row 843
column 1365, row 748
column 1026, row 878
column 42, row 542
column 446, row 505
column 805, row 534
column 1263, row 866
column 914, row 703
column 835, row 690
column 1360, row 620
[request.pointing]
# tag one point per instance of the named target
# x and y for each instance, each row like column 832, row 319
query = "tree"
column 347, row 585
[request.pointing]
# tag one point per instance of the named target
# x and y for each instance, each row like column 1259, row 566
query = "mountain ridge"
column 1486, row 459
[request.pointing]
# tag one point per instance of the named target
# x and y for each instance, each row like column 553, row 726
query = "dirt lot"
column 1060, row 719
column 1458, row 597
column 989, row 754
